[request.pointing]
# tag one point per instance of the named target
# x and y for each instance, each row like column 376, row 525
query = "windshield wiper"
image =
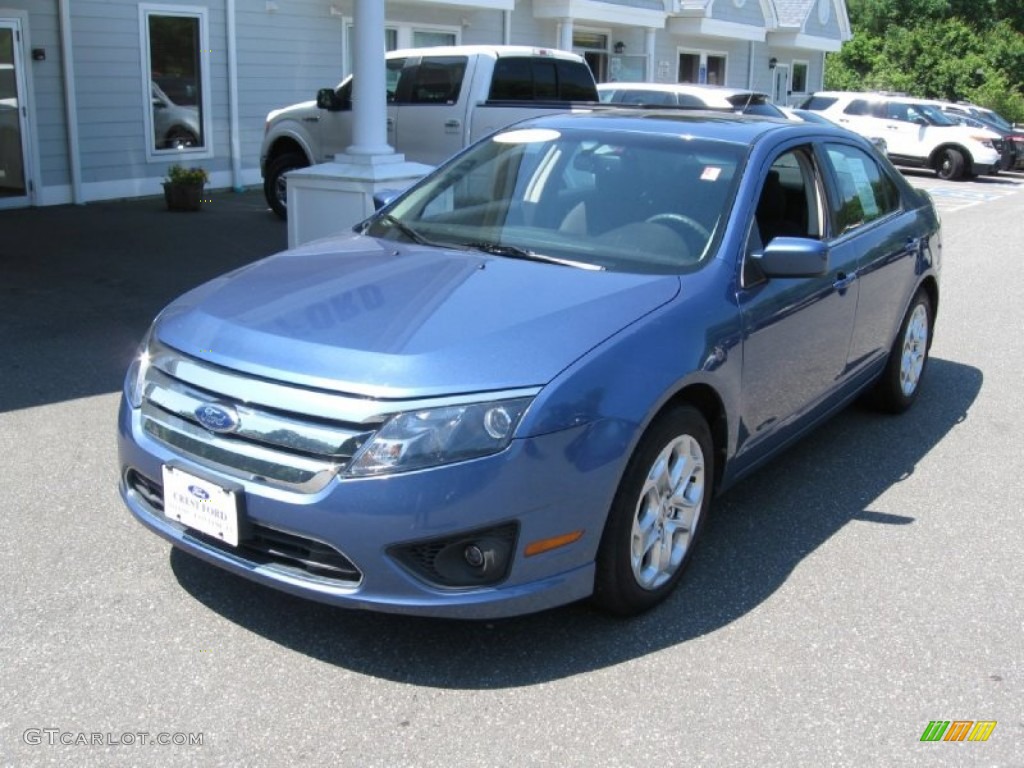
column 515, row 252
column 402, row 227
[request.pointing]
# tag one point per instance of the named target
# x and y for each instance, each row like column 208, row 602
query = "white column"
column 369, row 96
column 565, row 35
column 649, row 44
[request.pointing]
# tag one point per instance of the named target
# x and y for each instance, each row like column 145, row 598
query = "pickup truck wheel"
column 657, row 514
column 951, row 164
column 274, row 187
column 181, row 138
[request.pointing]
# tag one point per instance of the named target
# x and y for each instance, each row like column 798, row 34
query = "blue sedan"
column 522, row 382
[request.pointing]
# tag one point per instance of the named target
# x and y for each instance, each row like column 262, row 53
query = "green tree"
column 945, row 49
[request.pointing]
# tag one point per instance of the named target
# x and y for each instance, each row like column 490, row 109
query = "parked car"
column 440, row 100
column 794, row 113
column 174, row 126
column 916, row 134
column 689, row 95
column 522, row 382
column 978, row 117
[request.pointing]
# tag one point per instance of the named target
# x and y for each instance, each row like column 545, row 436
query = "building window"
column 404, row 36
column 176, row 82
column 799, row 77
column 702, row 67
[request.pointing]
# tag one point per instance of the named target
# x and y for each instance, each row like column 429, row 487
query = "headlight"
column 418, row 439
column 135, row 379
column 984, row 140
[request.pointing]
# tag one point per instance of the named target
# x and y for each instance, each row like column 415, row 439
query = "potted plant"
column 183, row 187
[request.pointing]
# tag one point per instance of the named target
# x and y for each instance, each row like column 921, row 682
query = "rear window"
column 818, row 103
column 531, row 79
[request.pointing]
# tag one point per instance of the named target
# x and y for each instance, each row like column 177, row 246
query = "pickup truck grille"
column 284, row 436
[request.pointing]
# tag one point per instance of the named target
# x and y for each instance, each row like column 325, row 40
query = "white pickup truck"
column 439, row 101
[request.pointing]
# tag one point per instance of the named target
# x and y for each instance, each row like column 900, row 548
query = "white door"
column 14, row 175
column 780, row 85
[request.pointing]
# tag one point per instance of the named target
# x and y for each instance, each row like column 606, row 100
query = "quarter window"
column 866, row 193
column 176, row 82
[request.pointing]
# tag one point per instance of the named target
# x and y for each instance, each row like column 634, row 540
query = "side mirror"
column 383, row 197
column 793, row 257
column 327, row 98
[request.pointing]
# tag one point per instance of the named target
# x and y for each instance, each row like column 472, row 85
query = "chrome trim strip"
column 322, row 404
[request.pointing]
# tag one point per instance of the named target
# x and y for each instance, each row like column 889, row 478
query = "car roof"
column 695, row 89
column 696, row 124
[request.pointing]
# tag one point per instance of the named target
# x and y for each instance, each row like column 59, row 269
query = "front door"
column 14, row 184
column 780, row 85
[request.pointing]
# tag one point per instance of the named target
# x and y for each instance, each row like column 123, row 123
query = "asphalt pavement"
column 80, row 284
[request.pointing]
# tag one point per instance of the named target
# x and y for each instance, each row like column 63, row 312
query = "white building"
column 99, row 97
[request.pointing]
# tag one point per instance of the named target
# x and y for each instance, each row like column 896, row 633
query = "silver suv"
column 916, row 134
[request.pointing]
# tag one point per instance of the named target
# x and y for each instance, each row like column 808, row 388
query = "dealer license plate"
column 200, row 504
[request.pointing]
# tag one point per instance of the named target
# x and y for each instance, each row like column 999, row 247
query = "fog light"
column 474, row 556
column 472, row 559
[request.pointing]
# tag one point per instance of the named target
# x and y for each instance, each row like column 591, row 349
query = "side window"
column 789, row 205
column 437, row 81
column 856, row 107
column 176, row 63
column 866, row 193
column 392, row 74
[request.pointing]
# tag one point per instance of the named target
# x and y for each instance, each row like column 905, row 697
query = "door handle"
column 844, row 281
column 452, row 126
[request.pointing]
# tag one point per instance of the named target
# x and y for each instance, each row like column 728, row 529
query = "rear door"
column 431, row 101
column 874, row 227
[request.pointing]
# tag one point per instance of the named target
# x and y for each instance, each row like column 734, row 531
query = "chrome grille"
column 285, row 436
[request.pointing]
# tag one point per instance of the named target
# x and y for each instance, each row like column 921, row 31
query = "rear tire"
column 274, row 187
column 900, row 382
column 657, row 514
column 950, row 165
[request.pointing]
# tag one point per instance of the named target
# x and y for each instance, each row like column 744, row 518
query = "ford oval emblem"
column 198, row 492
column 217, row 418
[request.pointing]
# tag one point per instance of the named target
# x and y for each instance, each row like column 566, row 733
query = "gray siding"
column 750, row 14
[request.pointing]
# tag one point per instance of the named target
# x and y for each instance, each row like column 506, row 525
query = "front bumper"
column 542, row 485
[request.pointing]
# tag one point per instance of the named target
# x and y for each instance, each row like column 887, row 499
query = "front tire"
column 897, row 389
column 951, row 164
column 657, row 514
column 274, row 188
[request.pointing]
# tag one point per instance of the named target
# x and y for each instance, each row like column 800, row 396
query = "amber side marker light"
column 546, row 545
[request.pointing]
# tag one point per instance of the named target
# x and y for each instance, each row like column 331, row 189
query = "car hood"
column 362, row 316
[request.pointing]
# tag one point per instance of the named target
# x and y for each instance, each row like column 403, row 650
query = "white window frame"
column 154, row 155
column 807, row 76
column 403, row 36
column 703, row 54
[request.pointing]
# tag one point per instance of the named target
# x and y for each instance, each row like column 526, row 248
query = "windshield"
column 933, row 115
column 624, row 201
column 995, row 118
